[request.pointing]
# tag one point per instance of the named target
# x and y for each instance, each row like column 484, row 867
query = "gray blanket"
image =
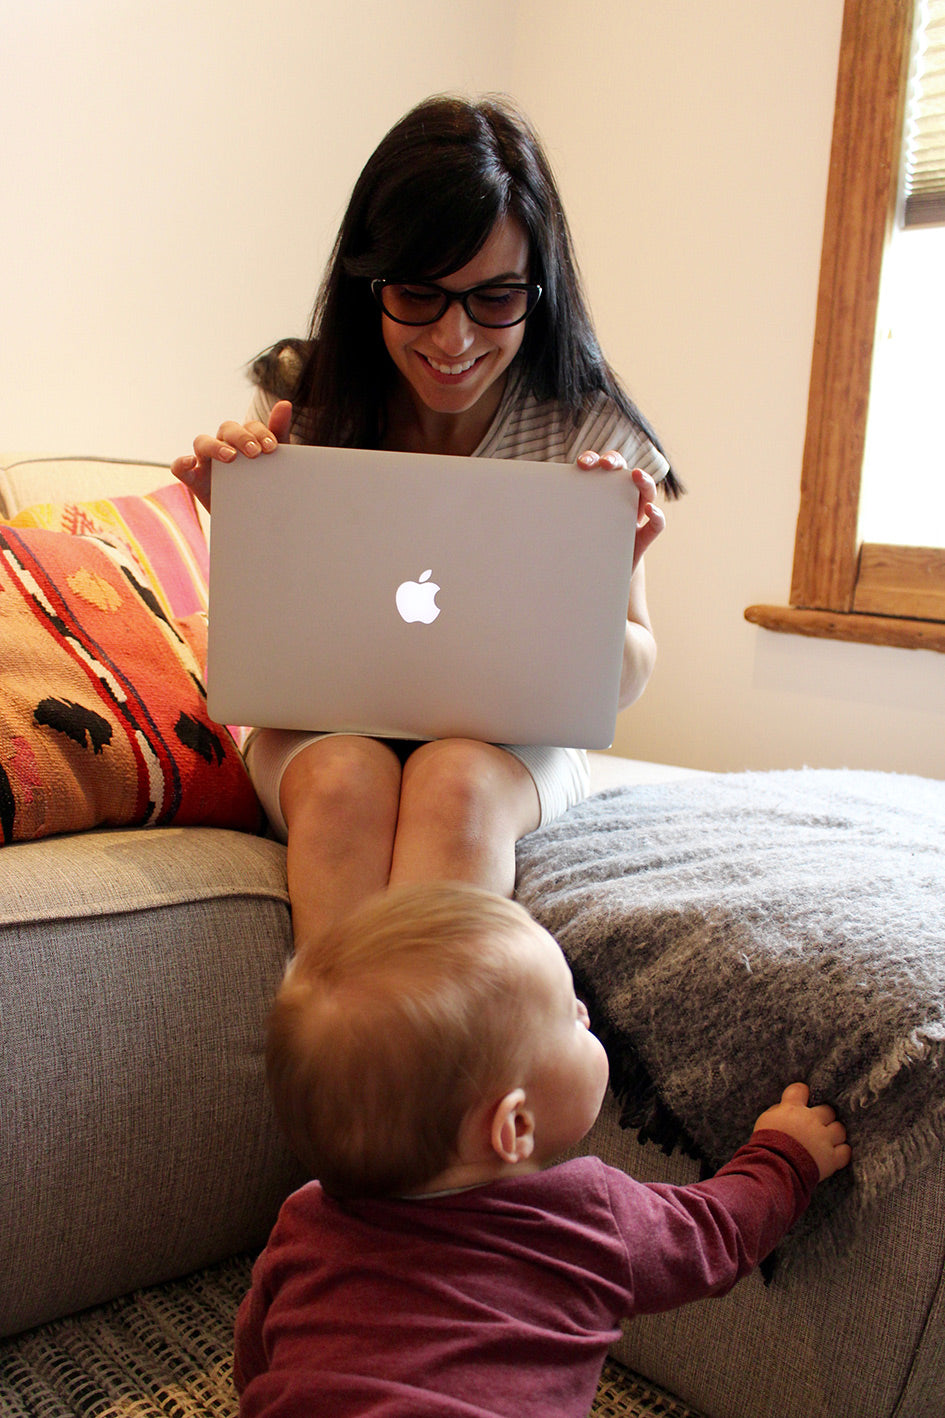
column 734, row 932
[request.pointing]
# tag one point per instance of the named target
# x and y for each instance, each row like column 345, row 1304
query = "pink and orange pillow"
column 103, row 716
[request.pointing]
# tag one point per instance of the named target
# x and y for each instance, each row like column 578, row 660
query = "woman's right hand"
column 250, row 439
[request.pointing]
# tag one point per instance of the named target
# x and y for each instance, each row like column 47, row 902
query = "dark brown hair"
column 423, row 206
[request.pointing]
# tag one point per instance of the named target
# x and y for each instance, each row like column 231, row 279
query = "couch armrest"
column 26, row 478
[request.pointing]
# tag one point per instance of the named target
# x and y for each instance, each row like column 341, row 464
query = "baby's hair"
column 390, row 1027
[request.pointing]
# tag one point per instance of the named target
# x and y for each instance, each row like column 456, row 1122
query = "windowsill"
column 904, row 633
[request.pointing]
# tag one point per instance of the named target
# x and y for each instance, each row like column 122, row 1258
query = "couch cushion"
column 103, row 717
column 136, row 1138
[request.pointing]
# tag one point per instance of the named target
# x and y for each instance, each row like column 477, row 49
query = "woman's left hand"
column 650, row 518
column 639, row 647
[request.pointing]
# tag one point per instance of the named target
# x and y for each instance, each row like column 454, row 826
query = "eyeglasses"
column 423, row 303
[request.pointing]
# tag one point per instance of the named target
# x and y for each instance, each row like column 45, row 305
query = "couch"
column 145, row 927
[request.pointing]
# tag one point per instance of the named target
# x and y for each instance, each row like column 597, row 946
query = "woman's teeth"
column 450, row 368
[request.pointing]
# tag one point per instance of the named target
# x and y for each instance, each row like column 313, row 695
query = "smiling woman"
column 450, row 321
column 457, row 195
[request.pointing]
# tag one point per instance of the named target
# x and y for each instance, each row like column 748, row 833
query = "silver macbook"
column 411, row 595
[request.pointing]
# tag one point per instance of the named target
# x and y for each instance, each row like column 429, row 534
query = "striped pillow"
column 103, row 714
column 161, row 531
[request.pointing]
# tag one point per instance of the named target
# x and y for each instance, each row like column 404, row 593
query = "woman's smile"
column 451, row 371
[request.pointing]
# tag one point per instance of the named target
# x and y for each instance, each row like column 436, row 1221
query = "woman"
column 450, row 320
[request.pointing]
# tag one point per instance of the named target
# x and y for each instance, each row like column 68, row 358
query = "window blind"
column 924, row 125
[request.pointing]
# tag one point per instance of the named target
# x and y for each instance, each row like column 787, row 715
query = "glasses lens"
column 499, row 305
column 412, row 304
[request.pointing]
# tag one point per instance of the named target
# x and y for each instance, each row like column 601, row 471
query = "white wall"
column 179, row 170
column 177, row 174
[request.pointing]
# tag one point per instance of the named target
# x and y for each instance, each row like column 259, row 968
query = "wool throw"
column 734, row 932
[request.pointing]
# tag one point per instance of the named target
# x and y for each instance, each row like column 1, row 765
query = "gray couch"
column 136, row 1141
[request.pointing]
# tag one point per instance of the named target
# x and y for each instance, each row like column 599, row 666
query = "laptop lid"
column 413, row 595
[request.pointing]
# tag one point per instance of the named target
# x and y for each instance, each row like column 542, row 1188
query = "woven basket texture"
column 166, row 1353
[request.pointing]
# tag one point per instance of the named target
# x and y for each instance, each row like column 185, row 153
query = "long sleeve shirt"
column 498, row 1300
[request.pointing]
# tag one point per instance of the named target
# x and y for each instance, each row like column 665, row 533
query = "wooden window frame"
column 882, row 595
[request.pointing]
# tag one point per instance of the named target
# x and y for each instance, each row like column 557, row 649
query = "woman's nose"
column 454, row 332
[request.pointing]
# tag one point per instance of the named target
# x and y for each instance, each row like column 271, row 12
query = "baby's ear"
column 513, row 1128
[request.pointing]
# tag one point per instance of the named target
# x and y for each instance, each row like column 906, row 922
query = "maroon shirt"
column 499, row 1300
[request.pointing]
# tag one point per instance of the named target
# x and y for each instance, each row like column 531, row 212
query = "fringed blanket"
column 734, row 932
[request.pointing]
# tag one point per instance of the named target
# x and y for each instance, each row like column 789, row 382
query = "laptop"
column 409, row 595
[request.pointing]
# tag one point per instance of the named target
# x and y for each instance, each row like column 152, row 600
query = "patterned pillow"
column 161, row 531
column 103, row 717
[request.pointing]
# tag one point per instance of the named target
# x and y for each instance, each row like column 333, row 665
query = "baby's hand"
column 817, row 1129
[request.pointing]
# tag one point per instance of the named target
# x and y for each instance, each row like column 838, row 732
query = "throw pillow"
column 161, row 531
column 103, row 717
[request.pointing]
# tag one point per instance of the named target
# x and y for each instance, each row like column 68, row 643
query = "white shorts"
column 560, row 775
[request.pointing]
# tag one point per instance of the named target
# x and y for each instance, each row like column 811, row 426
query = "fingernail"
column 268, row 444
column 251, row 448
column 226, row 455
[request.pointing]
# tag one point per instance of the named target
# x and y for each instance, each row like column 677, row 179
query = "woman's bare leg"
column 463, row 806
column 339, row 797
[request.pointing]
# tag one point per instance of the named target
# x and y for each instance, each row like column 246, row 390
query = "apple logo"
column 416, row 600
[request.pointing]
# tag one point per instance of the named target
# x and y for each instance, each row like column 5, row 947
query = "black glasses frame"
column 533, row 294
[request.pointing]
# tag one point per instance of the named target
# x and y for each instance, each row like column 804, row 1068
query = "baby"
column 429, row 1061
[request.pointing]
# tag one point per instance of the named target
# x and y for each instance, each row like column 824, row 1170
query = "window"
column 904, row 427
column 877, row 593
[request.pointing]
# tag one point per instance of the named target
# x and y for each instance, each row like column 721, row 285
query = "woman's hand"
column 232, row 438
column 650, row 518
column 639, row 648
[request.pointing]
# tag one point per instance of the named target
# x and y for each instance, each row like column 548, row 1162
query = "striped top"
column 544, row 432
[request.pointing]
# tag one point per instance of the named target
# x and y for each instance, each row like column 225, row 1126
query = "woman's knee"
column 468, row 784
column 345, row 781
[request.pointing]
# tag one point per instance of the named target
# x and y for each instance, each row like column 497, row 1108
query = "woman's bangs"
column 432, row 237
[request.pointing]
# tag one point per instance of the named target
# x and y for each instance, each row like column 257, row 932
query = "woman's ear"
column 513, row 1128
